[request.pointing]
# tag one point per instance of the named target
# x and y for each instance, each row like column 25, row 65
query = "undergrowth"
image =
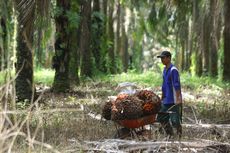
column 45, row 123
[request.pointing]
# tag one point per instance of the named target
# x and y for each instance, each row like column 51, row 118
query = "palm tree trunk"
column 124, row 49
column 3, row 44
column 97, row 32
column 206, row 43
column 197, row 38
column 4, row 35
column 112, row 67
column 86, row 63
column 74, row 57
column 24, row 66
column 39, row 47
column 213, row 60
column 226, row 70
column 118, row 35
column 61, row 59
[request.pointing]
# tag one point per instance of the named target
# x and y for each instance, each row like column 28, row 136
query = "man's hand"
column 178, row 97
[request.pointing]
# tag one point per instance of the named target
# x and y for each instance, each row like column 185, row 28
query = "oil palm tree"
column 24, row 65
column 62, row 48
column 26, row 10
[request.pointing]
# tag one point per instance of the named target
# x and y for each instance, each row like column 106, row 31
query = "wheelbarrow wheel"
column 122, row 133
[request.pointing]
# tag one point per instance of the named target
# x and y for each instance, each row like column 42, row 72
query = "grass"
column 145, row 79
column 152, row 79
column 41, row 76
column 148, row 79
column 44, row 76
column 195, row 82
column 2, row 77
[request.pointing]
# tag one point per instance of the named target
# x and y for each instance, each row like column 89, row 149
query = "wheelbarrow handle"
column 167, row 112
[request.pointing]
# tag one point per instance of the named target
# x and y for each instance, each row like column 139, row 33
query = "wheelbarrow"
column 130, row 126
column 139, row 122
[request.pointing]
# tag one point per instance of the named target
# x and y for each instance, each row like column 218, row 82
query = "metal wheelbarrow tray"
column 139, row 122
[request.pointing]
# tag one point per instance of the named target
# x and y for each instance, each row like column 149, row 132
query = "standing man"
column 171, row 97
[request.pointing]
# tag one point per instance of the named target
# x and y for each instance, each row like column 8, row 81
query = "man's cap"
column 164, row 54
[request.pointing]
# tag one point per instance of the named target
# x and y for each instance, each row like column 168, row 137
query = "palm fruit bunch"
column 106, row 110
column 152, row 102
column 107, row 107
column 127, row 107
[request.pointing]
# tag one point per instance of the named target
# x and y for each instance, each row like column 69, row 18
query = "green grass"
column 44, row 76
column 151, row 79
column 145, row 79
column 148, row 79
column 194, row 82
column 2, row 74
column 41, row 76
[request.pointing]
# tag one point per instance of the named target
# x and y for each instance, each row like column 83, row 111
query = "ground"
column 71, row 122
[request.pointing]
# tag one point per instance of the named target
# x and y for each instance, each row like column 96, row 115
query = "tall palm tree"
column 24, row 65
column 85, row 42
column 226, row 70
column 111, row 37
column 62, row 50
column 61, row 58
column 24, row 52
column 4, row 34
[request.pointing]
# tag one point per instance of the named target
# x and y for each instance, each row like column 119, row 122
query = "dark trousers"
column 171, row 119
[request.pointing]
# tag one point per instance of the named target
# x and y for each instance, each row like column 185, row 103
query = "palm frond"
column 25, row 10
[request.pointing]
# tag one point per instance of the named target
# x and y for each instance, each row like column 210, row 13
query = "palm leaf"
column 25, row 9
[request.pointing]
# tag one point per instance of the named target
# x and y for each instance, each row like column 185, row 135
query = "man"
column 170, row 115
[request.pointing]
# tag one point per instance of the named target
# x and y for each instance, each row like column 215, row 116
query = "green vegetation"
column 147, row 79
column 6, row 76
column 2, row 74
column 44, row 76
column 93, row 46
column 57, row 119
column 195, row 82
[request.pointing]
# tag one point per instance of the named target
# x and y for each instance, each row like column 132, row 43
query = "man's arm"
column 177, row 86
column 178, row 97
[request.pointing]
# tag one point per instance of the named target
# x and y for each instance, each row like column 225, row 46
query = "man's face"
column 165, row 60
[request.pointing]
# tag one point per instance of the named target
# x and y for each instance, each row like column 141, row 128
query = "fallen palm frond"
column 122, row 146
column 15, row 124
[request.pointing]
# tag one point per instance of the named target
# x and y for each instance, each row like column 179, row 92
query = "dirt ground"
column 72, row 122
